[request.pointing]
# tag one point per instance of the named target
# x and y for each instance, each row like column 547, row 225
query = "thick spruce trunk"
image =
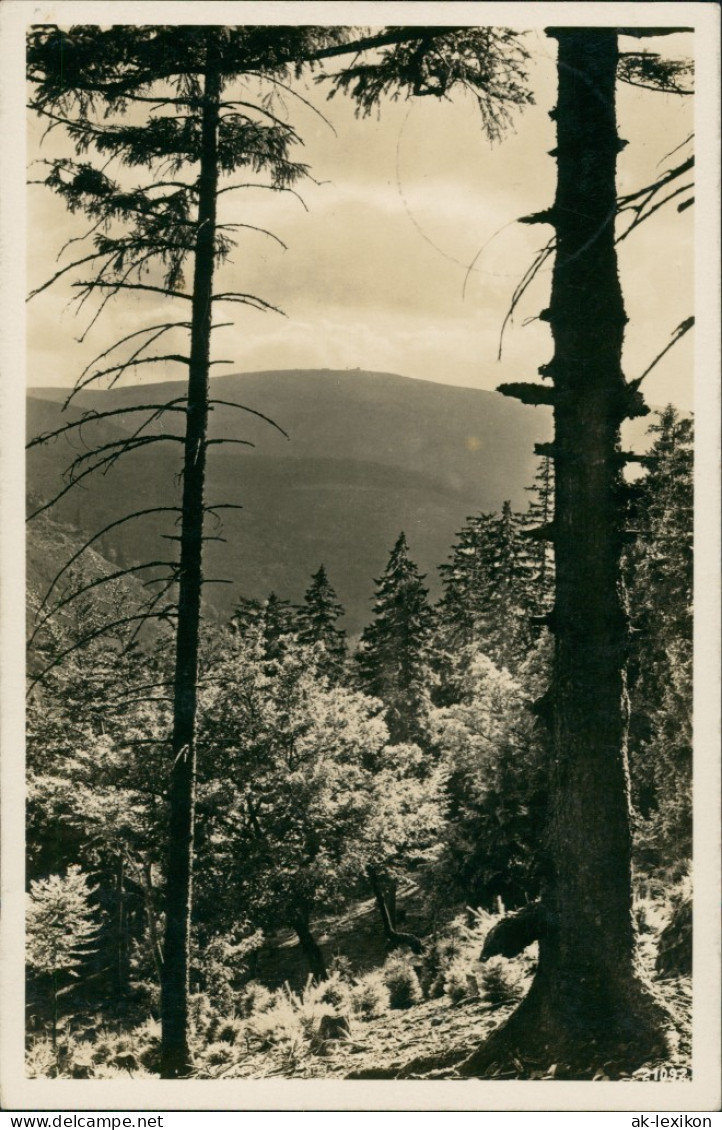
column 175, row 1051
column 311, row 950
column 587, row 1005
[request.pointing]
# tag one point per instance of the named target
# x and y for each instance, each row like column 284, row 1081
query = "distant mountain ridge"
column 368, row 454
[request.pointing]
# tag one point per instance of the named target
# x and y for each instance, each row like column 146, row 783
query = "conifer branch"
column 163, row 326
column 83, row 380
column 69, row 267
column 267, row 188
column 253, row 227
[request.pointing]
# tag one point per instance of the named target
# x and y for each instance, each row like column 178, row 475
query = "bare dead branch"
column 163, row 326
column 247, row 300
column 240, row 442
column 136, row 286
column 651, row 189
column 156, row 599
column 530, row 274
column 69, row 267
column 252, row 411
column 83, row 474
column 642, row 215
column 177, row 358
column 84, row 381
column 683, row 328
column 127, row 443
column 91, row 415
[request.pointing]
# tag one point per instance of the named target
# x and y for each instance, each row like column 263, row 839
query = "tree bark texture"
column 175, row 1052
column 586, row 1001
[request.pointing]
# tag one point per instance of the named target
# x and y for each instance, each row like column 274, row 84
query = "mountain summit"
column 367, row 455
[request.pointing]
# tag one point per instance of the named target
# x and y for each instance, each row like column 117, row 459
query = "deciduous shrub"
column 370, row 998
column 402, row 982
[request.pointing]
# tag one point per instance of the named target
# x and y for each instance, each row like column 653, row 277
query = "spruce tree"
column 659, row 573
column 247, row 615
column 276, row 625
column 316, row 623
column 539, row 517
column 393, row 656
column 488, row 596
column 62, row 928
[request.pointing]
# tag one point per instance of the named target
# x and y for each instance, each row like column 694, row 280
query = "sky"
column 407, row 252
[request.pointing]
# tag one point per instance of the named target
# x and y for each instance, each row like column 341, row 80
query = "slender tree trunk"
column 175, row 1052
column 121, row 970
column 380, row 898
column 55, row 1010
column 391, row 905
column 311, row 950
column 587, row 1004
column 155, row 946
column 394, row 938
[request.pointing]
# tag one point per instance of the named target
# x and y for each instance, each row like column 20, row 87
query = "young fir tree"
column 539, row 517
column 488, row 583
column 247, row 615
column 62, row 928
column 393, row 656
column 276, row 626
column 316, row 623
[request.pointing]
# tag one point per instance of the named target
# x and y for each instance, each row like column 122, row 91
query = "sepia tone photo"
column 360, row 565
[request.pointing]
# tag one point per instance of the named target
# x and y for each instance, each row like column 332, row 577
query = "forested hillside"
column 363, row 816
column 365, row 455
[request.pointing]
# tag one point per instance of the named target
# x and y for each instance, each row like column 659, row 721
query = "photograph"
column 360, row 556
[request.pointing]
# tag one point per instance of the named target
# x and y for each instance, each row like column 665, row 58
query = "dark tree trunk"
column 155, row 946
column 390, row 896
column 586, row 1005
column 394, row 938
column 311, row 950
column 175, row 1052
column 121, row 964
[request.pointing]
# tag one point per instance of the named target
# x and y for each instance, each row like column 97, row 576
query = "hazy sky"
column 376, row 272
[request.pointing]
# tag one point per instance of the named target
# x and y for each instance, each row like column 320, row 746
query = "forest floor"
column 388, row 1047
column 379, row 1016
column 407, row 1041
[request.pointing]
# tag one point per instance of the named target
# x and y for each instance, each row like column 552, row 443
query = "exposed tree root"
column 555, row 1034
